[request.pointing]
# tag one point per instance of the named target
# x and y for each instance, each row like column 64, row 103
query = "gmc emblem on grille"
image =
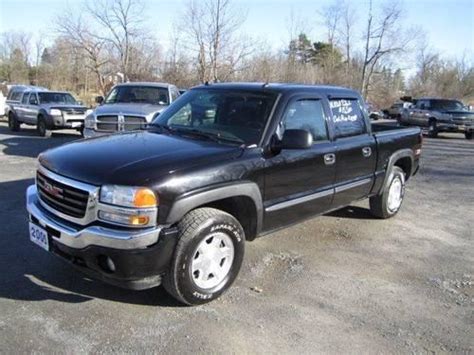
column 53, row 190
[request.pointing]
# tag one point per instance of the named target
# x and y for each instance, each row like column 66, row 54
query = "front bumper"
column 454, row 127
column 140, row 257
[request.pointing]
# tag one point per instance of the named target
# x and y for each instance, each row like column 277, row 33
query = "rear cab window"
column 347, row 117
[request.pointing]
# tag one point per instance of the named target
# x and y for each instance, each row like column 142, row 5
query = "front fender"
column 189, row 201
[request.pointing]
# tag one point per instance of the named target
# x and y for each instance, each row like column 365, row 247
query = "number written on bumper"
column 39, row 236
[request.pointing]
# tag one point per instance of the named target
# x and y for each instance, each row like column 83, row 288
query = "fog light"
column 110, row 264
column 106, row 263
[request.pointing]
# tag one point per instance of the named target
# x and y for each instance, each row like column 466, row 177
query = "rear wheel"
column 433, row 129
column 388, row 202
column 42, row 128
column 469, row 135
column 207, row 257
column 13, row 123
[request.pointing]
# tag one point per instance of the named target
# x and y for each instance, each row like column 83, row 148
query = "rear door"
column 299, row 182
column 355, row 150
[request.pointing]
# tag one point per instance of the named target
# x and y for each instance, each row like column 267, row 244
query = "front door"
column 355, row 151
column 299, row 182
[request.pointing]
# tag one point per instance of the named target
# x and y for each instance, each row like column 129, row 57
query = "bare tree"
column 383, row 37
column 78, row 31
column 121, row 26
column 210, row 30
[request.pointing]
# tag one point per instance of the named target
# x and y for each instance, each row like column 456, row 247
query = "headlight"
column 55, row 112
column 126, row 196
column 89, row 121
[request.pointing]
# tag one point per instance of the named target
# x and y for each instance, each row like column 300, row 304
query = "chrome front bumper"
column 78, row 238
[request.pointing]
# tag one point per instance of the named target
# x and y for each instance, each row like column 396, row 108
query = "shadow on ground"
column 27, row 143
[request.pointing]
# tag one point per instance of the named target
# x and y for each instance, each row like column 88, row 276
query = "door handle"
column 366, row 152
column 329, row 159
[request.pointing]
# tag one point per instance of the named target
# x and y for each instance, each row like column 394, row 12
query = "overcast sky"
column 449, row 24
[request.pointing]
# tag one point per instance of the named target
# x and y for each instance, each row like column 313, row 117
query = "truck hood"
column 138, row 109
column 135, row 158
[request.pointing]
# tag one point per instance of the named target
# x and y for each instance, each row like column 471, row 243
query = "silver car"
column 47, row 110
column 128, row 107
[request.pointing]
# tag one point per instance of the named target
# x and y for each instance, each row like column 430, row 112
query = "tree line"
column 368, row 49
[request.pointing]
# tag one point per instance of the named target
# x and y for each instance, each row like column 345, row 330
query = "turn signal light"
column 145, row 198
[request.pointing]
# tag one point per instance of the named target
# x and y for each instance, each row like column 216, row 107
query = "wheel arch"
column 404, row 159
column 241, row 200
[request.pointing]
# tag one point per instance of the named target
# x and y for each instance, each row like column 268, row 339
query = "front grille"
column 131, row 123
column 120, row 123
column 63, row 198
column 107, row 123
column 73, row 111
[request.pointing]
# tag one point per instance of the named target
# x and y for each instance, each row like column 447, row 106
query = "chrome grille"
column 73, row 111
column 63, row 198
column 120, row 123
column 107, row 123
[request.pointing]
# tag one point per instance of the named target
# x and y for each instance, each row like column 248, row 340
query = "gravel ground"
column 344, row 282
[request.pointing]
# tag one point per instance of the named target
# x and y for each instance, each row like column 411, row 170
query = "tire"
column 42, row 128
column 432, row 129
column 382, row 206
column 469, row 135
column 190, row 279
column 13, row 123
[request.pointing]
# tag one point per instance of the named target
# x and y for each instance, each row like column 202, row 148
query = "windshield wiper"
column 216, row 137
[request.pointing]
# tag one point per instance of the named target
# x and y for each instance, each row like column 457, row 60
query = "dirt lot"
column 339, row 283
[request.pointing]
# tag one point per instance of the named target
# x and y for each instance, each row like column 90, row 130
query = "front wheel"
column 469, row 135
column 207, row 257
column 13, row 123
column 388, row 202
column 433, row 129
column 42, row 128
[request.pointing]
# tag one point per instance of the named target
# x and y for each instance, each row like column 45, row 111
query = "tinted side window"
column 307, row 114
column 33, row 100
column 174, row 94
column 347, row 117
column 16, row 96
column 24, row 99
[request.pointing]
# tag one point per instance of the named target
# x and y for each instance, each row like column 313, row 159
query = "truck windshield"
column 56, row 98
column 227, row 115
column 447, row 105
column 138, row 94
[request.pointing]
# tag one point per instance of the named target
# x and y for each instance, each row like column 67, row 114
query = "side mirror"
column 79, row 102
column 99, row 99
column 297, row 139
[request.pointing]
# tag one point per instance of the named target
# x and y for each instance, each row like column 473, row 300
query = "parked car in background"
column 395, row 111
column 374, row 113
column 47, row 110
column 440, row 115
column 128, row 107
column 226, row 163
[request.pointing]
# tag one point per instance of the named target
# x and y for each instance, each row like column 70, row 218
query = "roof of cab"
column 146, row 83
column 282, row 87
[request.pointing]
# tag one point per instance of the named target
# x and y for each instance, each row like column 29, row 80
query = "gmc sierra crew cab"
column 174, row 204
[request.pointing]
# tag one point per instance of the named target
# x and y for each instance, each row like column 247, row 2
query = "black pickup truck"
column 224, row 164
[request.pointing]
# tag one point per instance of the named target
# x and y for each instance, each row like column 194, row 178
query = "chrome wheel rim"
column 212, row 260
column 395, row 194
